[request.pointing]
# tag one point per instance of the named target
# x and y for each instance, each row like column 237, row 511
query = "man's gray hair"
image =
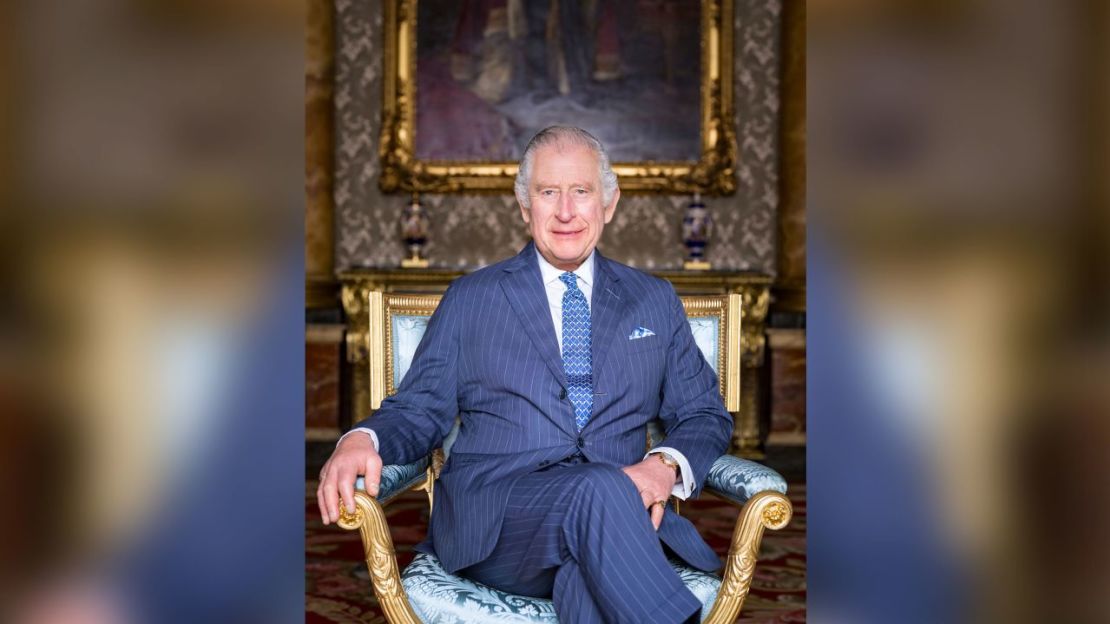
column 557, row 134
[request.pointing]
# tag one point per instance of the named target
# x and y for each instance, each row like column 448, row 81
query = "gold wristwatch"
column 669, row 462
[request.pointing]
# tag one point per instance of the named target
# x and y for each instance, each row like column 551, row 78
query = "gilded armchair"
column 425, row 592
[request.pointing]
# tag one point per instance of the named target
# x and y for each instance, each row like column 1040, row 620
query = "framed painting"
column 467, row 82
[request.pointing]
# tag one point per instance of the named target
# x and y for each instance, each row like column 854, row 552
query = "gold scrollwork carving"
column 776, row 515
column 752, row 345
column 714, row 173
column 766, row 510
column 756, row 302
column 381, row 558
column 354, row 296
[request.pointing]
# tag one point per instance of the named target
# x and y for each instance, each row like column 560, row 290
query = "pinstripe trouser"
column 580, row 534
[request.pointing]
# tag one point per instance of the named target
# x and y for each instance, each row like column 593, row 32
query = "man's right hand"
column 354, row 456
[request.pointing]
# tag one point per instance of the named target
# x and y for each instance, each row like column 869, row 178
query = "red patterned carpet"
column 338, row 589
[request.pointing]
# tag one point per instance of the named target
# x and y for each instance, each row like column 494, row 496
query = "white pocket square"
column 640, row 332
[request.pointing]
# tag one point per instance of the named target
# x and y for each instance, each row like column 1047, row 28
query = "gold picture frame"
column 713, row 173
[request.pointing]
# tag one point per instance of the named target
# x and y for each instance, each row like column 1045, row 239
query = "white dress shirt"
column 554, row 287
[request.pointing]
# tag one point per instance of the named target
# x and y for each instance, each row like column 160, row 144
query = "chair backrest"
column 397, row 323
column 715, row 323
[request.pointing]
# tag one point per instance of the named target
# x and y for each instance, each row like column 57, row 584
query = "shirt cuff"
column 374, row 436
column 684, row 484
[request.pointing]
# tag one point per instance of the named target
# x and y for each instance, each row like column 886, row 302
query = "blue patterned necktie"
column 576, row 350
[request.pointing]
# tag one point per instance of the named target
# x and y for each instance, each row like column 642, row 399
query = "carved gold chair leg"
column 381, row 558
column 769, row 510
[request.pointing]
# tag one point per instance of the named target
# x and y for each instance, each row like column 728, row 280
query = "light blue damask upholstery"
column 398, row 478
column 707, row 331
column 408, row 329
column 740, row 479
column 443, row 598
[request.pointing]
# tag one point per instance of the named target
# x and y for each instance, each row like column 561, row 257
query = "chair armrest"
column 738, row 479
column 761, row 494
column 398, row 478
column 381, row 558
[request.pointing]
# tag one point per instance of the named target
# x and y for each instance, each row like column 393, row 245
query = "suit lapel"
column 524, row 288
column 609, row 307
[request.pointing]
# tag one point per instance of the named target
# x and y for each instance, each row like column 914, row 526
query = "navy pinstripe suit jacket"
column 490, row 356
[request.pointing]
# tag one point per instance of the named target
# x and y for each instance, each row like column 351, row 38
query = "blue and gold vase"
column 697, row 226
column 415, row 226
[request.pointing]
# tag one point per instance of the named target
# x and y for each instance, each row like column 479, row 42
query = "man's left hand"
column 654, row 480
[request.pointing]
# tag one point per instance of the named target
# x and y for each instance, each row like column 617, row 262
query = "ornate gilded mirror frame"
column 714, row 173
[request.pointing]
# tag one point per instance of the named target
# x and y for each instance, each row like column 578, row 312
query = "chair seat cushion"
column 439, row 597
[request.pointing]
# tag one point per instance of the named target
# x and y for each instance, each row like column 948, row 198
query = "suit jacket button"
column 581, row 442
column 562, row 393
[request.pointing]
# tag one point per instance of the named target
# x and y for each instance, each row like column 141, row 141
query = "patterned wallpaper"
column 470, row 231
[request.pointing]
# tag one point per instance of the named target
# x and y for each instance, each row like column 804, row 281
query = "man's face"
column 567, row 216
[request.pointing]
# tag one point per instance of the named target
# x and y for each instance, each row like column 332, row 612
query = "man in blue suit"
column 554, row 361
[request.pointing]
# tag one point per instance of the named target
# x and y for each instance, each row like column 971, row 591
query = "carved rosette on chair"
column 697, row 226
column 414, row 231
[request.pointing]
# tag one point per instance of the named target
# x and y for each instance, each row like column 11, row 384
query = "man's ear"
column 524, row 212
column 611, row 209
